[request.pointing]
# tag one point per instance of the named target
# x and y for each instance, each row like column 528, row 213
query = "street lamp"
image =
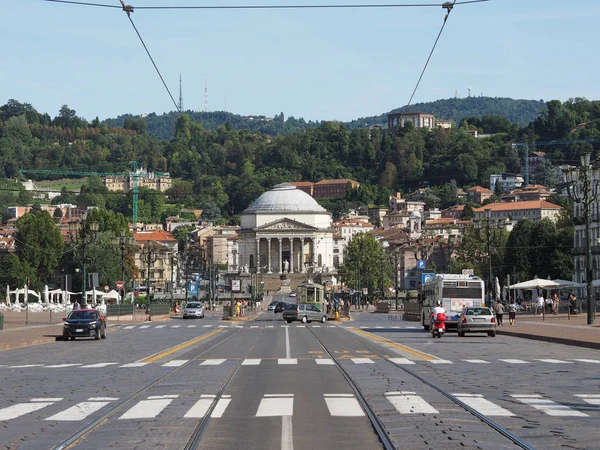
column 149, row 256
column 582, row 187
column 486, row 235
column 123, row 243
column 84, row 229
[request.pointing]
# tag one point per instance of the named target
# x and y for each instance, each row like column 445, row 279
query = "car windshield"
column 290, row 307
column 193, row 305
column 82, row 315
column 479, row 312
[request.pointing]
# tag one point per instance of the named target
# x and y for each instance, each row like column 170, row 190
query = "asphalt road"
column 265, row 384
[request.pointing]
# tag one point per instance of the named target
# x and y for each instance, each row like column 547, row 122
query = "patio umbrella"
column 568, row 284
column 536, row 283
column 497, row 291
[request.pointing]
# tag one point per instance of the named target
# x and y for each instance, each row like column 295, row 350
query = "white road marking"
column 221, row 406
column 201, row 407
column 409, row 403
column 175, row 363
column 79, row 411
column 192, row 326
column 20, row 409
column 287, row 435
column 340, row 405
column 160, row 326
column 25, row 366
column 212, row 362
column 515, row 361
column 147, row 409
column 316, row 326
column 401, row 361
column 553, row 361
column 325, row 362
column 485, row 407
column 58, row 366
column 99, row 365
column 548, row 406
column 135, row 364
column 440, row 361
column 288, row 361
column 144, row 326
column 411, row 328
column 223, row 326
column 476, row 361
column 362, row 361
column 275, row 406
column 592, row 399
column 251, row 362
column 174, row 326
column 129, row 327
column 330, row 326
column 239, row 326
column 253, row 326
column 287, row 343
column 270, row 326
column 206, row 326
column 593, row 361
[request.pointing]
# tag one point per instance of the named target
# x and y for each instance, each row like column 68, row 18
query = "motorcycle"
column 438, row 325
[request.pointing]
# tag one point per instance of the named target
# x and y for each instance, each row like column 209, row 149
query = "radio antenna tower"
column 180, row 94
column 205, row 93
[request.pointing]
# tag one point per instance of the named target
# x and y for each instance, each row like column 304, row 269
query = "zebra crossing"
column 227, row 325
column 299, row 362
column 272, row 405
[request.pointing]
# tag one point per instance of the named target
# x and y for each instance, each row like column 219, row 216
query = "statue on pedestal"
column 286, row 266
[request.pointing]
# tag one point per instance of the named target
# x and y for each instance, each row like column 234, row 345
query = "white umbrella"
column 112, row 294
column 497, row 289
column 570, row 284
column 7, row 295
column 536, row 283
column 46, row 294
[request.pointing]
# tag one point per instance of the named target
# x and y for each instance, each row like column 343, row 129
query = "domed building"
column 284, row 231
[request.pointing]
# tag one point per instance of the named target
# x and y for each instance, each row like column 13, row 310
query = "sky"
column 318, row 64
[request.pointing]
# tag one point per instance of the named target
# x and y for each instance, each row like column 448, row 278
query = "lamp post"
column 149, row 256
column 582, row 187
column 174, row 261
column 86, row 229
column 123, row 243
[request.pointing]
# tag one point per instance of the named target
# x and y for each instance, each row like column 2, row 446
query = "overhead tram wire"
column 342, row 6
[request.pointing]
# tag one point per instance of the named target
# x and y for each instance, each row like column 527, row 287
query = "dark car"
column 303, row 313
column 279, row 307
column 84, row 323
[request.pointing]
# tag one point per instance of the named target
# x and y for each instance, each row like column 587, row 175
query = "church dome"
column 285, row 197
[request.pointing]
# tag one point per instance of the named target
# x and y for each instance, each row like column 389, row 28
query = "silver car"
column 477, row 319
column 193, row 310
column 303, row 313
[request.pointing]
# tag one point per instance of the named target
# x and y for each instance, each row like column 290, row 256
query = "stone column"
column 291, row 255
column 269, row 256
column 302, row 270
column 257, row 255
column 280, row 262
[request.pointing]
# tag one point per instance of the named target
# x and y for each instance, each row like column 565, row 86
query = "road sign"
column 425, row 277
column 420, row 263
column 119, row 285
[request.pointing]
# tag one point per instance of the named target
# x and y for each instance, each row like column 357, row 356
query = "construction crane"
column 134, row 177
column 542, row 143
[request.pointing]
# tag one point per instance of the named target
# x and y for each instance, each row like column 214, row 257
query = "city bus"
column 456, row 292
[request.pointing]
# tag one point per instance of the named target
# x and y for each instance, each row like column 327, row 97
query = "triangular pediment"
column 286, row 224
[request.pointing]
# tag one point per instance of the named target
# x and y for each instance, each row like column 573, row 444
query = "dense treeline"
column 222, row 171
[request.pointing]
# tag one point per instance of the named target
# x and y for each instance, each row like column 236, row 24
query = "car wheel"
column 492, row 333
column 97, row 335
column 288, row 321
column 103, row 335
column 323, row 319
column 304, row 320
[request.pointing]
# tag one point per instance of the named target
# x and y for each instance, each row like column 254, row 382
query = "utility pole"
column 396, row 276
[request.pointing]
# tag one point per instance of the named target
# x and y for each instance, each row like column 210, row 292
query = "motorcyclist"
column 438, row 309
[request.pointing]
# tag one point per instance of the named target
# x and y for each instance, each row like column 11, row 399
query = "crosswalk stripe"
column 99, row 365
column 191, row 326
column 515, row 361
column 129, row 327
column 409, row 403
column 276, row 406
column 325, row 362
column 362, row 361
column 20, row 409
column 206, row 326
column 147, row 409
column 548, row 406
column 251, row 362
column 476, row 361
column 440, row 361
column 221, row 406
column 144, row 326
column 79, row 411
column 25, row 366
column 553, row 361
column 135, row 364
column 592, row 399
column 200, row 408
column 593, row 361
column 160, row 326
column 484, row 406
column 175, row 363
column 343, row 406
column 212, row 362
column 174, row 326
column 401, row 361
column 59, row 366
column 287, row 361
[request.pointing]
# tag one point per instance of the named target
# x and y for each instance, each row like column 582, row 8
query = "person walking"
column 572, row 303
column 499, row 310
column 540, row 305
column 512, row 312
column 555, row 301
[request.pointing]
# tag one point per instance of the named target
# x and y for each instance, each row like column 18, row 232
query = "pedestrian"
column 555, row 301
column 540, row 305
column 512, row 312
column 499, row 310
column 75, row 305
column 572, row 303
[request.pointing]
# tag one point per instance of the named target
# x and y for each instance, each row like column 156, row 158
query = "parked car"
column 271, row 306
column 193, row 310
column 279, row 307
column 477, row 320
column 84, row 323
column 303, row 313
column 292, row 294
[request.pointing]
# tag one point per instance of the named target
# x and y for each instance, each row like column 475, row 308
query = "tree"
column 39, row 244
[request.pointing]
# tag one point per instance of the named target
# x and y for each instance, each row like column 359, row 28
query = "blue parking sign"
column 425, row 277
column 420, row 263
